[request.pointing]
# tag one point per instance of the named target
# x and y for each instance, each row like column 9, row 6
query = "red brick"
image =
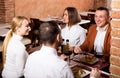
column 114, row 76
column 115, row 60
column 56, row 7
column 41, row 9
column 7, row 6
column 115, row 14
column 115, row 42
column 99, row 3
column 115, row 32
column 115, row 51
column 115, row 23
column 115, row 70
column 115, row 4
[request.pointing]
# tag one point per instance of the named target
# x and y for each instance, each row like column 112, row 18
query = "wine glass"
column 67, row 52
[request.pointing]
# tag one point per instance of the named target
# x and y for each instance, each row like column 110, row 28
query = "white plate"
column 86, row 73
column 81, row 58
column 89, row 62
column 79, row 68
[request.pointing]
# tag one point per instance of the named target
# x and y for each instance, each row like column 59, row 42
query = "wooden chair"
column 91, row 18
column 91, row 10
column 34, row 33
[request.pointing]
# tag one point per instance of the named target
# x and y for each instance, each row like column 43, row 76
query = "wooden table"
column 60, row 20
column 86, row 13
column 101, row 66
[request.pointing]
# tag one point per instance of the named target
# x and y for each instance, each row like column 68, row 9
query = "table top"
column 58, row 19
column 88, row 67
column 86, row 13
column 84, row 22
column 4, row 28
column 52, row 18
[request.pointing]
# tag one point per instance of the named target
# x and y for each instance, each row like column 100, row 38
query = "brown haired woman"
column 73, row 31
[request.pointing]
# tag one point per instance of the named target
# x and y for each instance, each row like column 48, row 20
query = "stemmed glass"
column 68, row 53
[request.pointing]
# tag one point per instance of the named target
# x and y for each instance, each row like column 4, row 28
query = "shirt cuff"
column 92, row 77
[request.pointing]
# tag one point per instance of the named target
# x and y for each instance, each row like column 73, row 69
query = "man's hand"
column 62, row 56
column 95, row 73
column 77, row 49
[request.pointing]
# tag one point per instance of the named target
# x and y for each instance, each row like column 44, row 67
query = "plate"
column 89, row 59
column 79, row 72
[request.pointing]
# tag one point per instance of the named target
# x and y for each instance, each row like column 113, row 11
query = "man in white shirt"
column 45, row 63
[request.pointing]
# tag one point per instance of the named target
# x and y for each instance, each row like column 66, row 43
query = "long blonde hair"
column 16, row 23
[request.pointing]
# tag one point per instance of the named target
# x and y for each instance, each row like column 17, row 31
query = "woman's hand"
column 95, row 73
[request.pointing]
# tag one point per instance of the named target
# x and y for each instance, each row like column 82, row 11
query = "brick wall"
column 6, row 10
column 2, row 11
column 115, row 42
column 9, row 10
column 43, row 8
column 39, row 8
column 99, row 3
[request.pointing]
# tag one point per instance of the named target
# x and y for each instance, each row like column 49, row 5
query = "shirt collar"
column 17, row 36
column 104, row 28
column 49, row 49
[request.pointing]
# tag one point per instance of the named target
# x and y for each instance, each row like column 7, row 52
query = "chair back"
column 34, row 33
column 91, row 18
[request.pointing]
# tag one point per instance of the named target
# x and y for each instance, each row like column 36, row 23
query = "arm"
column 82, row 37
column 88, row 44
column 63, row 57
column 20, row 59
column 66, row 72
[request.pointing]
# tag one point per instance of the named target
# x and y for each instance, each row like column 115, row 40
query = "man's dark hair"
column 48, row 32
column 104, row 8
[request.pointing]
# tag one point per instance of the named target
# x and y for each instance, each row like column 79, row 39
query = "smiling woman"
column 14, row 51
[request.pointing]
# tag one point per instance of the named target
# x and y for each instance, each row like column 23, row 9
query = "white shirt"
column 99, row 40
column 45, row 63
column 16, row 56
column 76, row 34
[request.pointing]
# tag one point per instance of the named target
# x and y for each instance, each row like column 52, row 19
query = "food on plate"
column 89, row 58
column 78, row 72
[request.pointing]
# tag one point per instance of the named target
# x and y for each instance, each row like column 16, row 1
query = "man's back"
column 46, row 64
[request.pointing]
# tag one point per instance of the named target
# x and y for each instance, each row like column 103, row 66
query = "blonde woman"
column 14, row 51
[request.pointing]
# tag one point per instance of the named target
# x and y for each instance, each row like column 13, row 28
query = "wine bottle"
column 67, row 45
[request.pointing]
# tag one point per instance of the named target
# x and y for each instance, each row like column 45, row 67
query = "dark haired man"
column 45, row 62
column 98, row 38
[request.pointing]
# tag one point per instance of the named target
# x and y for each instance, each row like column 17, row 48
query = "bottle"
column 67, row 45
column 62, row 46
column 63, row 42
